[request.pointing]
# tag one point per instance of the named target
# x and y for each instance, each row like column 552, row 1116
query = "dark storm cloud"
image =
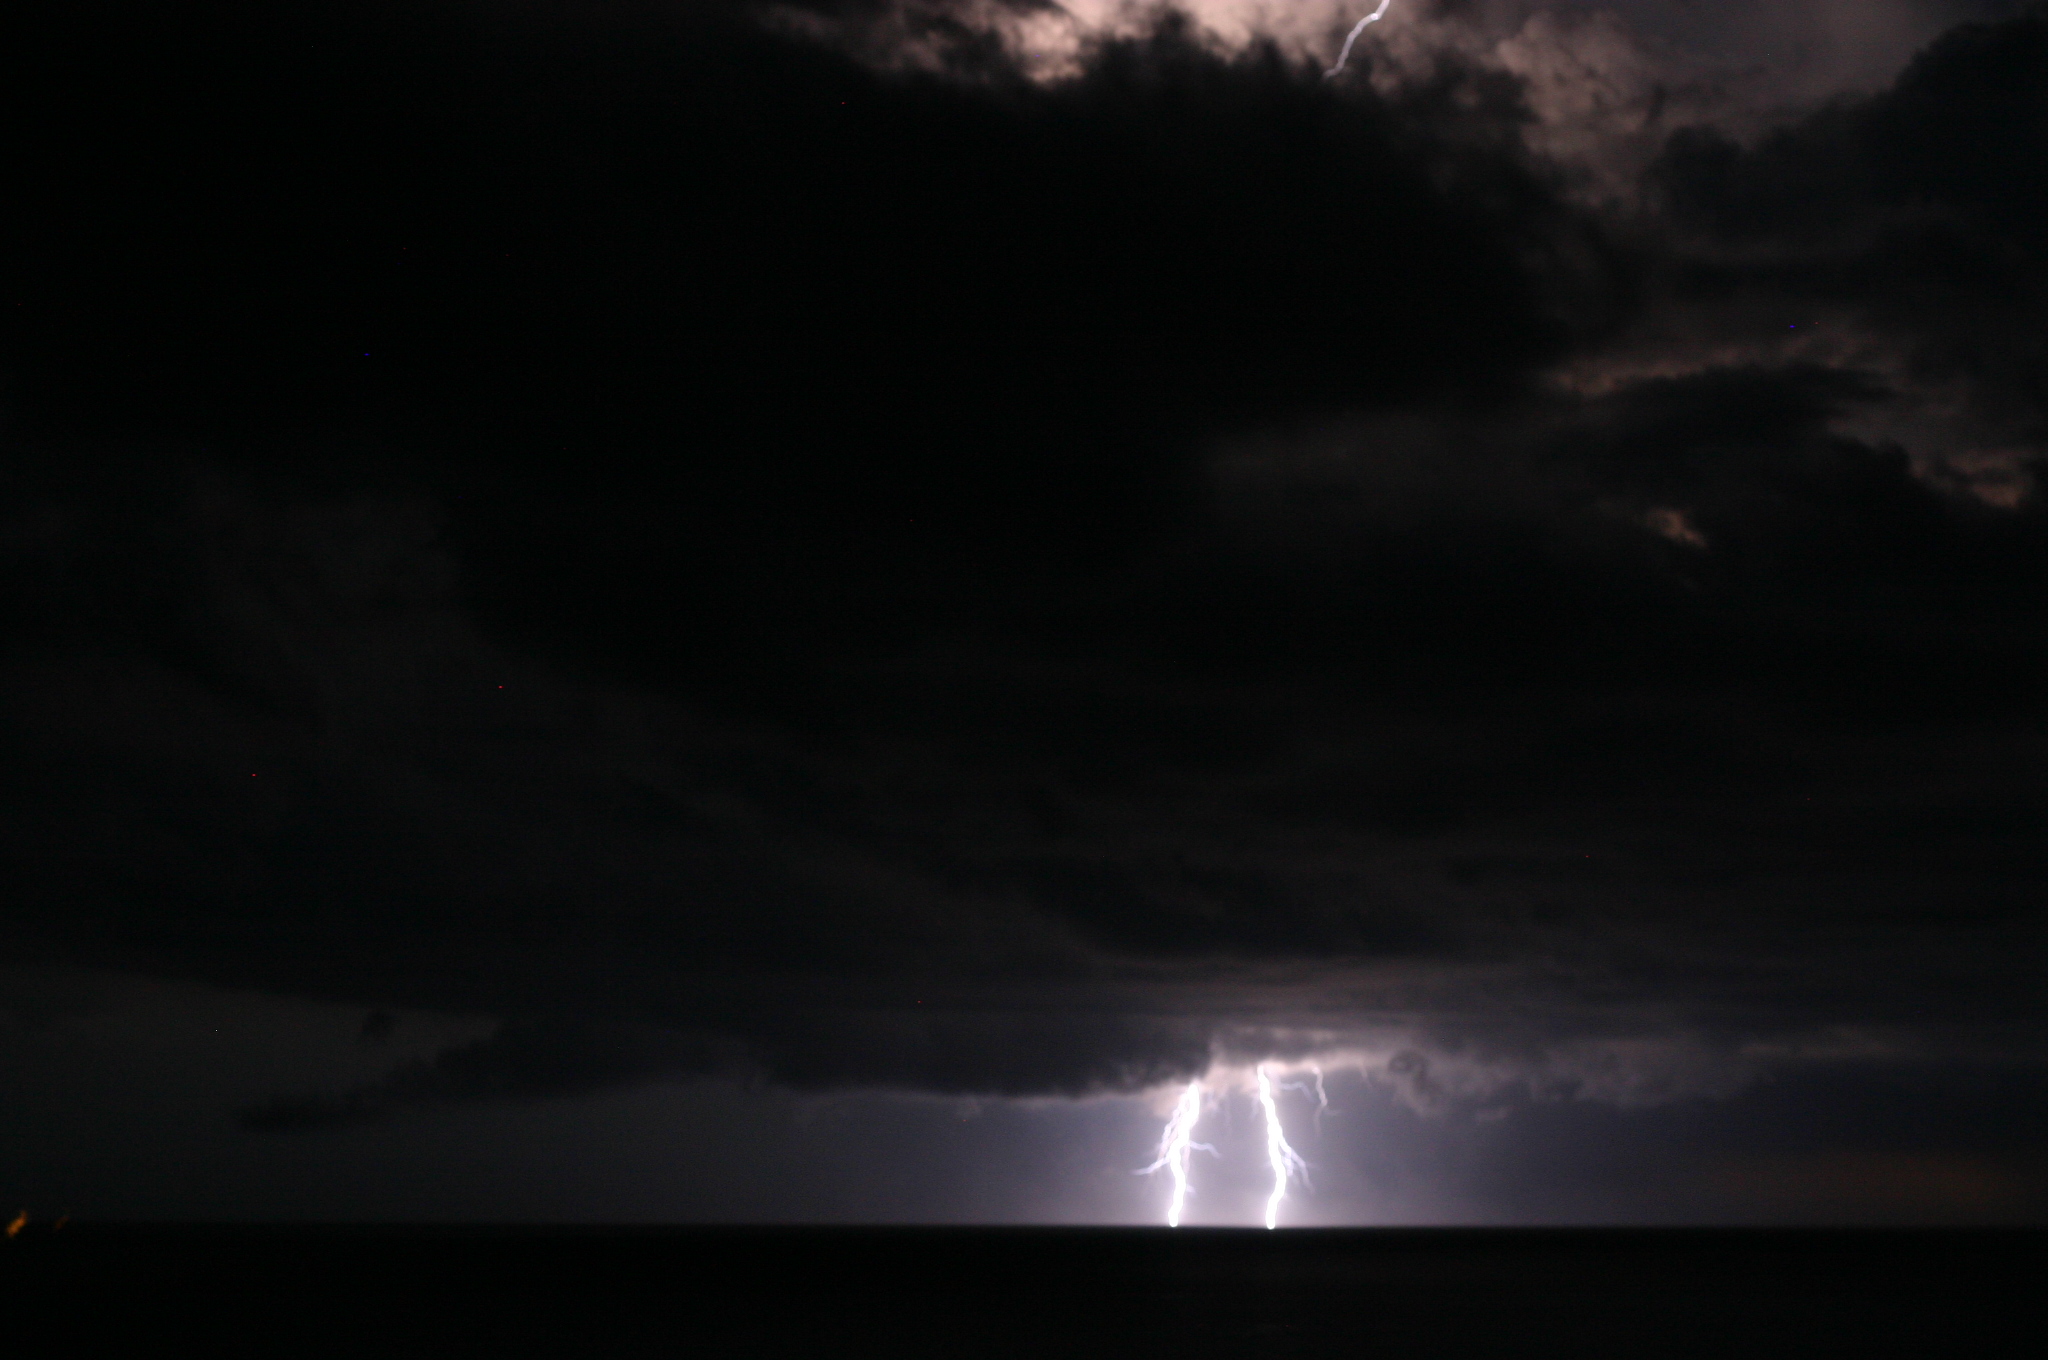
column 1915, row 214
column 738, row 562
column 521, row 1061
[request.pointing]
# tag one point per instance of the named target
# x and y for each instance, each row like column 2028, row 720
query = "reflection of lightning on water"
column 1357, row 29
column 1177, row 1145
column 1284, row 1160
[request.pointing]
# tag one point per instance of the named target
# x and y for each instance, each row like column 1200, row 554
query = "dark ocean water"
column 1015, row 1292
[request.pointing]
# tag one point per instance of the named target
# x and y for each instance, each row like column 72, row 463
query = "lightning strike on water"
column 1284, row 1160
column 1357, row 29
column 1177, row 1145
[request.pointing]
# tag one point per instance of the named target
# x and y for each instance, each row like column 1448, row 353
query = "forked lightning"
column 1177, row 1145
column 1284, row 1160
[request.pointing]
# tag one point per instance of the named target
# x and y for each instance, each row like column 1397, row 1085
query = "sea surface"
column 980, row 1292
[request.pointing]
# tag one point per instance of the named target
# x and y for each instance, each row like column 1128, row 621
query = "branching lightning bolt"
column 1177, row 1145
column 1357, row 29
column 1284, row 1160
column 1322, row 1096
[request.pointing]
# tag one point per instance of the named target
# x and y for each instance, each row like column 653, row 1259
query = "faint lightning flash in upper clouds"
column 1284, row 1159
column 1357, row 29
column 1178, row 1144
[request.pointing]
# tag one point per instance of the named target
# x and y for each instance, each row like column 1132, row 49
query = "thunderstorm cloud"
column 1000, row 550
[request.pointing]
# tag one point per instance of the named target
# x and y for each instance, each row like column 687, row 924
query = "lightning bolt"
column 1177, row 1145
column 1284, row 1160
column 1322, row 1096
column 1357, row 29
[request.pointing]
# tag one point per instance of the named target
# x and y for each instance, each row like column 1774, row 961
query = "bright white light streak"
column 1284, row 1160
column 1177, row 1145
column 1357, row 29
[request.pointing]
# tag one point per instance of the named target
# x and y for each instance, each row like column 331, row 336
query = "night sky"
column 638, row 610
